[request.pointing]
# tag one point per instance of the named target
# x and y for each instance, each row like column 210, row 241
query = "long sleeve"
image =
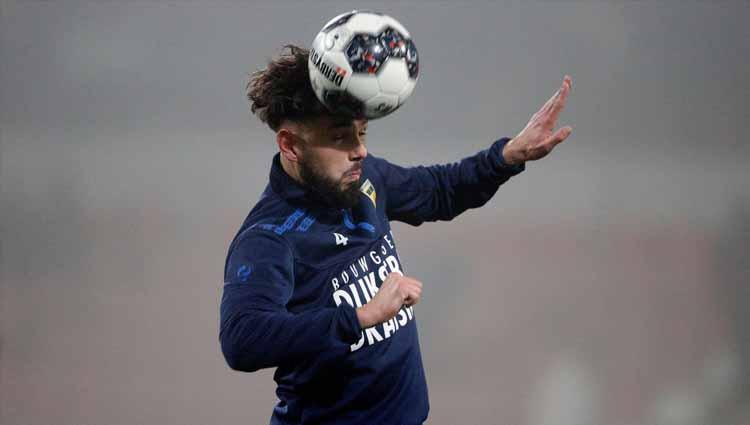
column 256, row 330
column 441, row 192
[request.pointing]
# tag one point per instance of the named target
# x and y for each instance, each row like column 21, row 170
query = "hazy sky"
column 129, row 158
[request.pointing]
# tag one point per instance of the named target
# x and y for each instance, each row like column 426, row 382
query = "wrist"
column 510, row 154
column 365, row 317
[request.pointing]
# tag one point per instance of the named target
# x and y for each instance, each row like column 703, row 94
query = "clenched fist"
column 396, row 291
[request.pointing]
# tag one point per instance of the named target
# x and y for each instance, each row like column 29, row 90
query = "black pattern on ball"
column 365, row 53
column 412, row 59
column 393, row 42
column 369, row 12
column 340, row 21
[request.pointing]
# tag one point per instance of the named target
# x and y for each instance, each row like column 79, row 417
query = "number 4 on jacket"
column 341, row 239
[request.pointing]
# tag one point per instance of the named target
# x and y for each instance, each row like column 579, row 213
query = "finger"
column 559, row 103
column 413, row 282
column 543, row 115
column 394, row 277
column 564, row 87
column 412, row 298
column 412, row 290
column 544, row 110
column 395, row 274
column 560, row 135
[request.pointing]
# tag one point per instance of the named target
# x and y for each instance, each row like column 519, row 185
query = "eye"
column 340, row 141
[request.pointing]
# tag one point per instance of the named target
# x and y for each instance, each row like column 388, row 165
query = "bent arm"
column 256, row 335
column 256, row 329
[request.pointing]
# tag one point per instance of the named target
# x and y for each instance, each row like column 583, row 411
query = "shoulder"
column 267, row 232
column 270, row 219
column 379, row 169
column 259, row 239
column 376, row 163
column 262, row 253
column 265, row 227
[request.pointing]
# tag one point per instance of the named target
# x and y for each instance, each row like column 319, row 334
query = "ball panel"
column 337, row 39
column 365, row 22
column 407, row 90
column 393, row 76
column 380, row 105
column 363, row 86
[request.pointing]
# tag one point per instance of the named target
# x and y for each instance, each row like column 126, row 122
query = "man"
column 313, row 283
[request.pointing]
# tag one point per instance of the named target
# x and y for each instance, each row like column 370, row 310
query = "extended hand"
column 536, row 140
column 396, row 291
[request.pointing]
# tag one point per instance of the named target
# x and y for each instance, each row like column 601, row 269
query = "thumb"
column 560, row 135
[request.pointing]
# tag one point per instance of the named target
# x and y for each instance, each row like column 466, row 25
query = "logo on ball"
column 332, row 73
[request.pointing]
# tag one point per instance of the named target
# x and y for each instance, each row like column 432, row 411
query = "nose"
column 359, row 152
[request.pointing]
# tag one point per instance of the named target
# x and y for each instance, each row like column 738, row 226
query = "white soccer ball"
column 363, row 64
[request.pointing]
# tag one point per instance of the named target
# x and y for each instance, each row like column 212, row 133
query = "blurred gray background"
column 605, row 285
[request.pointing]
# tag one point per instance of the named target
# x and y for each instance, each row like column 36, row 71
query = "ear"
column 288, row 144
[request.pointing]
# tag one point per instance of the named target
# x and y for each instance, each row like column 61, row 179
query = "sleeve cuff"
column 347, row 324
column 498, row 161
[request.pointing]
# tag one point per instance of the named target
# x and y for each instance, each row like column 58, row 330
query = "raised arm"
column 441, row 192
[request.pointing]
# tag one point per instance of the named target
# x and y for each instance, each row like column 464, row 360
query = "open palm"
column 538, row 138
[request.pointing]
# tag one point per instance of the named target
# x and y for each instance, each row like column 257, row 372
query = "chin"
column 349, row 195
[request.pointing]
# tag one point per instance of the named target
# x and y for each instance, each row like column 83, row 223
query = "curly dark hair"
column 282, row 91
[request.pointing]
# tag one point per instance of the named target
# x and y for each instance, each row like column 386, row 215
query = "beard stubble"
column 334, row 192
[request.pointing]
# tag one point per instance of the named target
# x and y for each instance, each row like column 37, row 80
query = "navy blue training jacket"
column 297, row 270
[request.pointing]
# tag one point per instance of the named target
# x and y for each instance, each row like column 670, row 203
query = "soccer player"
column 313, row 284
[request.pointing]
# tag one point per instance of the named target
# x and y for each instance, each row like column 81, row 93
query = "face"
column 330, row 161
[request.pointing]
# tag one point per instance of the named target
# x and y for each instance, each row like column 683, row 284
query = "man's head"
column 322, row 151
